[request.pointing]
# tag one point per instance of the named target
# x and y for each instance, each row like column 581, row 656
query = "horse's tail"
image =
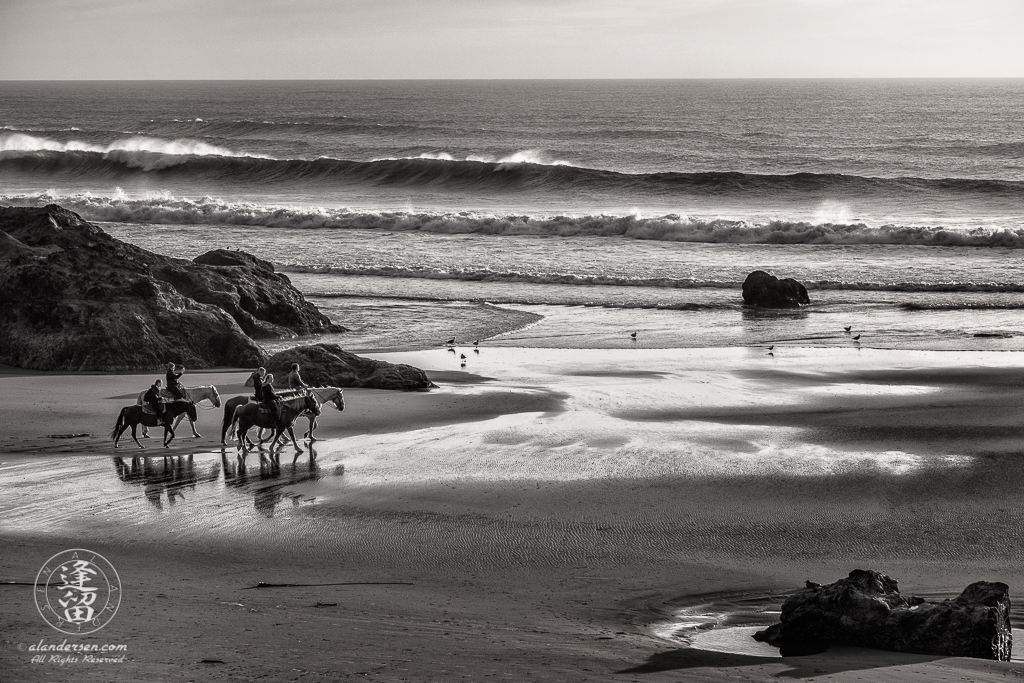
column 119, row 425
column 228, row 414
column 234, row 420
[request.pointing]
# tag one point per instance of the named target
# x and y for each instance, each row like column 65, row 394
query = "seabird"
column 462, row 356
column 451, row 342
column 633, row 335
column 772, row 347
column 856, row 338
column 848, row 328
column 476, row 342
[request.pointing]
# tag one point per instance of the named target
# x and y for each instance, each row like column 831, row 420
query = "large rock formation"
column 329, row 365
column 75, row 298
column 766, row 290
column 867, row 610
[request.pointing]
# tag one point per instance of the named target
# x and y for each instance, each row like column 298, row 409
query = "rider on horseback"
column 152, row 397
column 257, row 378
column 295, row 380
column 271, row 399
column 174, row 388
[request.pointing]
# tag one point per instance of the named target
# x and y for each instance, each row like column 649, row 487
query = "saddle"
column 148, row 409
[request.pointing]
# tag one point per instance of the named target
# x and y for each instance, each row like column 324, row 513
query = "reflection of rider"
column 295, row 380
column 152, row 397
column 270, row 398
column 174, row 388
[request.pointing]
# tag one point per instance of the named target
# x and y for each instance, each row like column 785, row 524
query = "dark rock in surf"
column 330, row 365
column 867, row 610
column 75, row 298
column 766, row 290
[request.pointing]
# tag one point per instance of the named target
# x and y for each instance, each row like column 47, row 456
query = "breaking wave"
column 137, row 153
column 184, row 160
column 167, row 209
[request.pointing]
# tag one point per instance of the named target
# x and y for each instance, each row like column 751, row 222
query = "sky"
column 382, row 39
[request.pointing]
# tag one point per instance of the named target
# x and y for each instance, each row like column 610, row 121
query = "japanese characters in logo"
column 77, row 591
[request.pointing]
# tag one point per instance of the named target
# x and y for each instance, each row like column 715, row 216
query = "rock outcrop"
column 329, row 365
column 867, row 610
column 75, row 298
column 766, row 290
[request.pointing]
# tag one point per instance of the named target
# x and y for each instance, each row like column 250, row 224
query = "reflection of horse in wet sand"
column 269, row 485
column 333, row 395
column 249, row 415
column 133, row 416
column 194, row 394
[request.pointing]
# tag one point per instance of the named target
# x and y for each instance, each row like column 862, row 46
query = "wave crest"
column 138, row 152
column 167, row 209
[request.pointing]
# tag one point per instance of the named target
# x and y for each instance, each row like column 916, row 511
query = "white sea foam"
column 147, row 153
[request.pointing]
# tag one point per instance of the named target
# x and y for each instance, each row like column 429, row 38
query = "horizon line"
column 524, row 79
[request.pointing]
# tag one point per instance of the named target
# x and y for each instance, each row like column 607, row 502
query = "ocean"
column 564, row 214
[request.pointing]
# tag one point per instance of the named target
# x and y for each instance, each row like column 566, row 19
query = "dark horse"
column 248, row 415
column 132, row 416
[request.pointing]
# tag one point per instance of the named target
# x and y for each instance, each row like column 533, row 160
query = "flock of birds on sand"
column 451, row 347
column 476, row 344
column 847, row 329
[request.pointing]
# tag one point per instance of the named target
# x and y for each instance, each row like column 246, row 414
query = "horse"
column 248, row 415
column 133, row 416
column 333, row 395
column 194, row 394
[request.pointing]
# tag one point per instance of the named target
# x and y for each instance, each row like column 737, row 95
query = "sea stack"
column 77, row 299
column 767, row 291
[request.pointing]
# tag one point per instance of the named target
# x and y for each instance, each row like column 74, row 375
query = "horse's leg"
column 294, row 443
column 168, row 430
column 134, row 438
column 191, row 424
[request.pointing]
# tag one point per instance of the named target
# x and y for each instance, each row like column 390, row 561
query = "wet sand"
column 563, row 516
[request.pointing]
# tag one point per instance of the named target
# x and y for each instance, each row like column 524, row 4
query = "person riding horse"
column 270, row 398
column 257, row 378
column 152, row 397
column 295, row 382
column 174, row 387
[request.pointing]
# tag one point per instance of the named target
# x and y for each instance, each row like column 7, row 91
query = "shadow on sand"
column 836, row 660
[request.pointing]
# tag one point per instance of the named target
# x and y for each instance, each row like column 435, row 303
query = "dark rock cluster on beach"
column 767, row 291
column 75, row 298
column 867, row 610
column 330, row 365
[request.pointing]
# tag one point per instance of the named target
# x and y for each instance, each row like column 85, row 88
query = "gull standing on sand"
column 848, row 328
column 856, row 338
column 451, row 342
column 633, row 335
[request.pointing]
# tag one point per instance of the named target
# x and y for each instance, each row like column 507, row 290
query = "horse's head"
column 311, row 404
column 190, row 409
column 215, row 399
column 339, row 400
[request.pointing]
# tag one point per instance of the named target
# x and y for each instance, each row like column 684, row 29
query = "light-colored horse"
column 194, row 394
column 248, row 415
column 333, row 395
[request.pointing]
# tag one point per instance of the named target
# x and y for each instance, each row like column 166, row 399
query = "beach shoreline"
column 545, row 516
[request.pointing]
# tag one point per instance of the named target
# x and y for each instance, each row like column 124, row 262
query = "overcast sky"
column 190, row 39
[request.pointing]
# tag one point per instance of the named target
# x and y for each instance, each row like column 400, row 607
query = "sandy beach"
column 545, row 515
